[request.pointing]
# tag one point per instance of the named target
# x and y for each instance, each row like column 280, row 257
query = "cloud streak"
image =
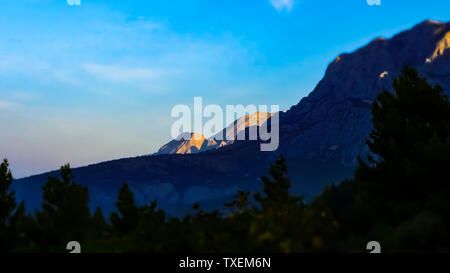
column 281, row 5
column 5, row 105
column 118, row 73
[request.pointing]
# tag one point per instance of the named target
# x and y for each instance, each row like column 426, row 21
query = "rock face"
column 321, row 136
column 334, row 121
column 188, row 143
column 191, row 143
column 239, row 129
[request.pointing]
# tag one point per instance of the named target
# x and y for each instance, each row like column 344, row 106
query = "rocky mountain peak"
column 189, row 143
column 334, row 120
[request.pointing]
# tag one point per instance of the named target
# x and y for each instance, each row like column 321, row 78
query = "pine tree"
column 129, row 212
column 416, row 113
column 404, row 184
column 101, row 228
column 7, row 199
column 279, row 214
column 409, row 141
column 240, row 202
column 276, row 191
column 7, row 207
column 65, row 212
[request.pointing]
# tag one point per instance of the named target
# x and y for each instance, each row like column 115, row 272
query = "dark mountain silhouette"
column 321, row 137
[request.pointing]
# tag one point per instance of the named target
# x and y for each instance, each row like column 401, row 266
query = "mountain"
column 321, row 136
column 239, row 128
column 190, row 143
column 334, row 120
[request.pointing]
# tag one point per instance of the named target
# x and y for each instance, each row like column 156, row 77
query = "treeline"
column 399, row 196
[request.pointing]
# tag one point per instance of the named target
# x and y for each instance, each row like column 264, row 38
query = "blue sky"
column 94, row 82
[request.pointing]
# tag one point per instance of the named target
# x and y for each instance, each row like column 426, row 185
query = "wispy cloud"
column 7, row 105
column 281, row 5
column 141, row 23
column 117, row 73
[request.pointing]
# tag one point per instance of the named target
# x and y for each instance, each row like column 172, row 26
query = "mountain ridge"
column 342, row 100
column 189, row 142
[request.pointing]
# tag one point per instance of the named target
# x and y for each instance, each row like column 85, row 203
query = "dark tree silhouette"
column 276, row 191
column 129, row 212
column 9, row 213
column 65, row 212
column 406, row 180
